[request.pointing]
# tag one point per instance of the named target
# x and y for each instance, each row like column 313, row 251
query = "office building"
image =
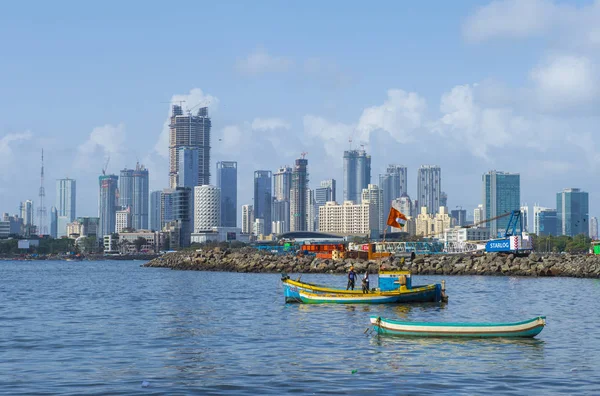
column 189, row 131
column 27, row 212
column 374, row 195
column 183, row 214
column 501, row 195
column 594, row 228
column 282, row 183
column 311, row 211
column 572, row 212
column 125, row 188
column 429, row 188
column 326, row 192
column 154, row 211
column 227, row 183
column 298, row 196
column 247, row 219
column 166, row 207
column 123, row 220
column 66, row 192
column 188, row 164
column 349, row 218
column 207, row 207
column 525, row 217
column 393, row 185
column 140, row 197
column 107, row 204
column 478, row 215
column 357, row 174
column 545, row 221
column 459, row 217
column 280, row 216
column 53, row 222
column 263, row 198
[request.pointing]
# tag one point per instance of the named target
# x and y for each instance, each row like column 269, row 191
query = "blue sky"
column 470, row 86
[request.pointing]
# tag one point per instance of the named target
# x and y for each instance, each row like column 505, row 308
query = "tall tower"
column 393, row 185
column 298, row 196
column 107, row 204
column 43, row 228
column 501, row 194
column 139, row 198
column 189, row 131
column 65, row 198
column 357, row 174
column 227, row 182
column 429, row 187
column 263, row 198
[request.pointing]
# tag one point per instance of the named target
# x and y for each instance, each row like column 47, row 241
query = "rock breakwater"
column 250, row 260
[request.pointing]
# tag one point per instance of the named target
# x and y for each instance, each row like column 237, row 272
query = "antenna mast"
column 43, row 229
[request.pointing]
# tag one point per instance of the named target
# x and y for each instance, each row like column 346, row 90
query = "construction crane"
column 105, row 166
column 303, row 154
column 189, row 110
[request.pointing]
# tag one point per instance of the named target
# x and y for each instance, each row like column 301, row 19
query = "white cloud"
column 270, row 124
column 259, row 62
column 564, row 81
column 334, row 136
column 193, row 100
column 6, row 150
column 107, row 141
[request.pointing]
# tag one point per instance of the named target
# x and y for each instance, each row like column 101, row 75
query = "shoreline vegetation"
column 253, row 261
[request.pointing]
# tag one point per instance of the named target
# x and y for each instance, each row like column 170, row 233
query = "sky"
column 471, row 86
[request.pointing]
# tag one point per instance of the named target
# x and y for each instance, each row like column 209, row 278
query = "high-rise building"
column 263, row 198
column 53, row 222
column 280, row 216
column 374, row 195
column 357, row 174
column 107, row 204
column 66, row 198
column 478, row 214
column 188, row 164
column 227, row 183
column 572, row 210
column 444, row 199
column 459, row 217
column 429, row 187
column 123, row 219
column 393, row 184
column 189, row 131
column 247, row 218
column 311, row 211
column 348, row 218
column 544, row 221
column 166, row 206
column 282, row 183
column 207, row 207
column 27, row 212
column 125, row 188
column 594, row 228
column 298, row 196
column 525, row 217
column 183, row 214
column 154, row 211
column 403, row 204
column 140, row 197
column 325, row 193
column 501, row 195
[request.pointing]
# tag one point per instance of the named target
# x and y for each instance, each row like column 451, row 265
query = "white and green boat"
column 526, row 329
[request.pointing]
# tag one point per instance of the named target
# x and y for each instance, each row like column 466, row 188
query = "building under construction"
column 189, row 131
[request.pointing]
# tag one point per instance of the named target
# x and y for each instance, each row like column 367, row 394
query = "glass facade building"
column 227, row 183
column 65, row 198
column 501, row 195
column 429, row 188
column 107, row 204
column 357, row 174
column 263, row 198
column 393, row 186
column 572, row 210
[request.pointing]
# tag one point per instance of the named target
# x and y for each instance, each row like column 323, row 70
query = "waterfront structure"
column 393, row 184
column 123, row 220
column 207, row 207
column 247, row 218
column 153, row 242
column 544, row 221
column 263, row 198
column 154, row 211
column 107, row 203
column 459, row 217
column 166, row 207
column 280, row 217
column 53, row 222
column 140, row 197
column 188, row 164
column 227, row 183
column 501, row 195
column 83, row 227
column 478, row 215
column 125, row 188
column 594, row 228
column 357, row 174
column 429, row 187
column 374, row 195
column 298, row 196
column 220, row 234
column 282, row 183
column 572, row 211
column 348, row 218
column 66, row 195
column 189, row 131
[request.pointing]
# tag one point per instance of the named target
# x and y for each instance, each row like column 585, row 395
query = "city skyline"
column 402, row 110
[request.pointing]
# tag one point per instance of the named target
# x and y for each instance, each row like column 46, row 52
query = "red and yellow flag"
column 396, row 218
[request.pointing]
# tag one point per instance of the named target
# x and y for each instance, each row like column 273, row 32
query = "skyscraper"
column 107, row 204
column 298, row 196
column 325, row 193
column 154, row 211
column 282, row 183
column 501, row 195
column 140, row 197
column 227, row 183
column 207, row 207
column 27, row 212
column 280, row 217
column 525, row 217
column 357, row 174
column 478, row 215
column 53, row 222
column 374, row 195
column 66, row 198
column 429, row 187
column 459, row 217
column 187, row 171
column 263, row 198
column 183, row 214
column 393, row 186
column 572, row 212
column 594, row 228
column 247, row 219
column 544, row 221
column 166, row 206
column 189, row 131
column 125, row 188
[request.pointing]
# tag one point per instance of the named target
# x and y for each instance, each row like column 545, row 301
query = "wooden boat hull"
column 295, row 291
column 526, row 329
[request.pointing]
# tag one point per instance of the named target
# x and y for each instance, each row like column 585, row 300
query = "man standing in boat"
column 351, row 278
column 365, row 282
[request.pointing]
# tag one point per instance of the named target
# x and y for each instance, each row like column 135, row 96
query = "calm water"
column 106, row 327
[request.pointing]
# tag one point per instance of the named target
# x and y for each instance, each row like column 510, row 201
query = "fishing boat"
column 394, row 287
column 526, row 329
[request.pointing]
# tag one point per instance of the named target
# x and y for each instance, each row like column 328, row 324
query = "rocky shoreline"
column 250, row 260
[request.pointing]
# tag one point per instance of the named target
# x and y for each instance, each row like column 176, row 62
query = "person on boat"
column 365, row 283
column 351, row 278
